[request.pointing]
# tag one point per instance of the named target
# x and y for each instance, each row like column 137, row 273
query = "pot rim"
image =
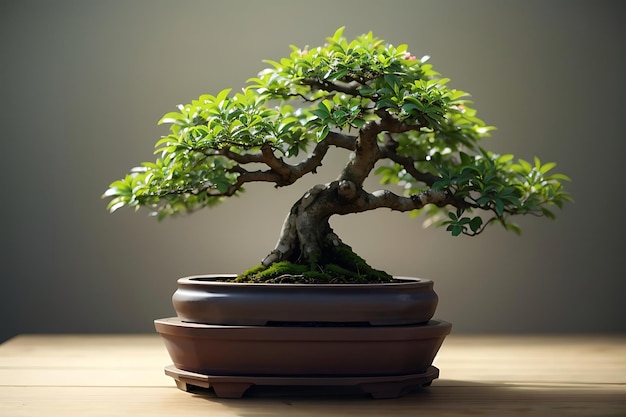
column 212, row 279
column 432, row 329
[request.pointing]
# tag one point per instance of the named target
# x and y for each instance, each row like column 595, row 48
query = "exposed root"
column 341, row 265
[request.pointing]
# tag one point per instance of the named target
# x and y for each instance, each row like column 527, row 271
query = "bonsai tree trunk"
column 306, row 233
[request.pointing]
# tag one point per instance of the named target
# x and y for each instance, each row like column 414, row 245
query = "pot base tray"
column 236, row 386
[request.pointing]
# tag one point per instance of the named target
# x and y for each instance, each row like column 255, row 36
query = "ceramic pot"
column 205, row 299
column 232, row 336
column 383, row 361
column 311, row 351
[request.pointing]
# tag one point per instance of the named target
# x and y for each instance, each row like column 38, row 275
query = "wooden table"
column 122, row 375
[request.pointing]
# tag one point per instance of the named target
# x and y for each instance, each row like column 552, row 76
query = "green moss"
column 341, row 265
column 262, row 273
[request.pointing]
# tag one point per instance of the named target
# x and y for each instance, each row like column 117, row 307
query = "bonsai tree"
column 390, row 109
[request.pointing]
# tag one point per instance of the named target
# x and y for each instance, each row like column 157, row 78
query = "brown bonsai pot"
column 231, row 336
column 384, row 361
column 206, row 299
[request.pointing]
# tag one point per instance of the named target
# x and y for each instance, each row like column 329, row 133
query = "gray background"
column 84, row 83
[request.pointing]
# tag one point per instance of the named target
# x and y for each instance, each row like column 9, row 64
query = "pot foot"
column 230, row 389
column 401, row 385
column 378, row 387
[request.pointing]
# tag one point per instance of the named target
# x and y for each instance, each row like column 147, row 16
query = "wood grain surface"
column 122, row 375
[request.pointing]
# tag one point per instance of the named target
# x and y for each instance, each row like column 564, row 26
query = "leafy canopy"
column 315, row 97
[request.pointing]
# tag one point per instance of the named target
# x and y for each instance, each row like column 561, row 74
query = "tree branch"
column 388, row 150
column 246, row 158
column 243, row 178
column 318, row 153
column 391, row 124
column 279, row 172
column 346, row 88
column 388, row 199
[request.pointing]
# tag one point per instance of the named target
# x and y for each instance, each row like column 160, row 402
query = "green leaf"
column 513, row 227
column 337, row 35
column 221, row 96
column 338, row 75
column 558, row 177
column 525, row 165
column 499, row 207
column 366, row 91
column 323, row 110
column 475, row 224
column 173, row 118
column 385, row 102
column 549, row 214
column 358, row 122
column 547, row 167
column 114, row 205
column 505, row 158
column 464, row 220
column 322, row 133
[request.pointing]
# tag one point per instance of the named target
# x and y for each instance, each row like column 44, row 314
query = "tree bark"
column 306, row 234
column 306, row 229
